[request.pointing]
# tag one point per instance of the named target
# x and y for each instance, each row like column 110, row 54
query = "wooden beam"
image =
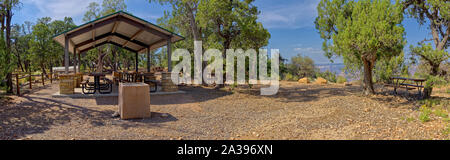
column 160, row 41
column 137, row 63
column 114, row 29
column 133, row 37
column 71, row 42
column 93, row 32
column 142, row 50
column 79, row 61
column 136, row 34
column 93, row 27
column 106, row 42
column 143, row 45
column 116, row 25
column 125, row 44
column 118, row 45
column 92, row 47
column 144, row 27
column 169, row 55
column 103, row 43
column 148, row 60
column 92, row 40
column 75, row 60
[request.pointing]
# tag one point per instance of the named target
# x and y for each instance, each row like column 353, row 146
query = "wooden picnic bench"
column 401, row 82
column 104, row 87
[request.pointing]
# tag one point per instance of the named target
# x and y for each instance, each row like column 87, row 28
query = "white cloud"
column 297, row 14
column 58, row 9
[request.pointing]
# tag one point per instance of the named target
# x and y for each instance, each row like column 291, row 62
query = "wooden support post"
column 75, row 62
column 137, row 62
column 79, row 62
column 66, row 55
column 17, row 85
column 148, row 60
column 30, row 79
column 51, row 77
column 169, row 54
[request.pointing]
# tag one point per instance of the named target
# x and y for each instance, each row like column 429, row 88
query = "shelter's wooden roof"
column 121, row 29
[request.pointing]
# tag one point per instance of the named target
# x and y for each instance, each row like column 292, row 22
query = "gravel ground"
column 297, row 112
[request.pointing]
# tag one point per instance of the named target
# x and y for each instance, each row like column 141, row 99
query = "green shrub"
column 388, row 67
column 234, row 85
column 301, row 66
column 447, row 119
column 409, row 119
column 441, row 113
column 432, row 102
column 290, row 77
column 425, row 114
column 447, row 130
column 341, row 79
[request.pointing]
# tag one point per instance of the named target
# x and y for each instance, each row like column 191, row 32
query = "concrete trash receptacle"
column 134, row 101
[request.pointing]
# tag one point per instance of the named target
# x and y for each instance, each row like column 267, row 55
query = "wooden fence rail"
column 29, row 76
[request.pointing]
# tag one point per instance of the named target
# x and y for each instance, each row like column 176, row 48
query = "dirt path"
column 297, row 112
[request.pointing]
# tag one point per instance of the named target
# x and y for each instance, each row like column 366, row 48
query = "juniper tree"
column 361, row 32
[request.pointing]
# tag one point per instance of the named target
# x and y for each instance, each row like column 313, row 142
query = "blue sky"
column 290, row 22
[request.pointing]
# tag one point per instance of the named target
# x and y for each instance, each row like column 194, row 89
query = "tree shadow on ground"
column 36, row 87
column 37, row 114
column 107, row 101
column 192, row 95
column 155, row 119
column 403, row 97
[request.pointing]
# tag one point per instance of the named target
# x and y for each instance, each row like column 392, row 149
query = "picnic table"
column 97, row 86
column 131, row 76
column 401, row 82
column 145, row 77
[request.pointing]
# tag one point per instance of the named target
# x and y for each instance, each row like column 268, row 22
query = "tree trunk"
column 51, row 70
column 114, row 52
column 8, row 50
column 43, row 69
column 27, row 66
column 195, row 32
column 193, row 23
column 368, row 83
column 19, row 63
column 100, row 62
column 226, row 45
column 428, row 90
column 101, row 55
column 19, row 60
